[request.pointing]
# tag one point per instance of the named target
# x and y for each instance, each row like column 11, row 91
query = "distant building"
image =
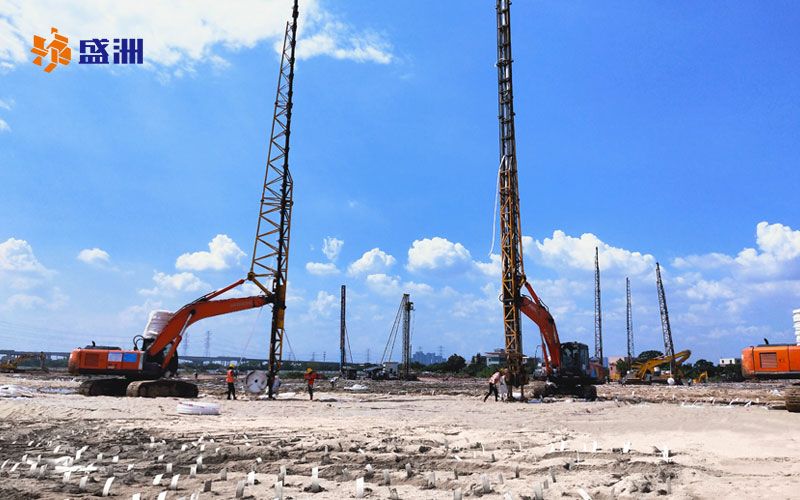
column 426, row 358
column 729, row 361
column 496, row 357
column 612, row 367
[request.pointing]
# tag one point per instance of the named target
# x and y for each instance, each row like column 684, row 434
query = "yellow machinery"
column 12, row 365
column 701, row 379
column 645, row 373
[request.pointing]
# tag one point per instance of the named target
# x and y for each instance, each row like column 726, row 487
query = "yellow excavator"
column 645, row 372
column 12, row 365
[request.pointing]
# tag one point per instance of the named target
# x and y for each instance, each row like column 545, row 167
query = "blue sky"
column 666, row 132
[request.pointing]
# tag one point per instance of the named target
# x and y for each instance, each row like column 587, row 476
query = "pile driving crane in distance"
column 566, row 366
column 598, row 313
column 146, row 370
column 645, row 372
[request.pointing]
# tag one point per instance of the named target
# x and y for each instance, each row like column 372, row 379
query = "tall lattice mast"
column 408, row 306
column 598, row 315
column 342, row 334
column 511, row 243
column 669, row 350
column 271, row 249
column 631, row 351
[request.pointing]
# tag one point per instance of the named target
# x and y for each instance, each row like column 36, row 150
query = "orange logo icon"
column 59, row 53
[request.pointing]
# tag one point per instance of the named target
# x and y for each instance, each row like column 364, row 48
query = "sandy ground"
column 441, row 430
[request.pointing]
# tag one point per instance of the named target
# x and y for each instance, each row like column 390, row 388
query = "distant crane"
column 631, row 351
column 270, row 258
column 342, row 335
column 669, row 349
column 598, row 316
column 402, row 323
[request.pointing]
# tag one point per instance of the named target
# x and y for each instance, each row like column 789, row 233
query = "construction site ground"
column 430, row 437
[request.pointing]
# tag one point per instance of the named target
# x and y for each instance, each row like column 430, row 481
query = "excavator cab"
column 574, row 360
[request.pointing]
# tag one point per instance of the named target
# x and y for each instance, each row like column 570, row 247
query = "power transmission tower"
column 313, row 356
column 441, row 352
column 324, row 355
column 185, row 343
column 598, row 315
column 367, row 356
column 342, row 357
column 208, row 344
column 669, row 349
column 631, row 351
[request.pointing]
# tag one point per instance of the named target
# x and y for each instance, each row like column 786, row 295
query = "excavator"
column 147, row 368
column 144, row 370
column 12, row 365
column 645, row 372
column 567, row 368
column 775, row 361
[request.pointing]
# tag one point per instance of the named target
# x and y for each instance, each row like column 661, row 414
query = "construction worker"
column 493, row 381
column 230, row 379
column 310, row 377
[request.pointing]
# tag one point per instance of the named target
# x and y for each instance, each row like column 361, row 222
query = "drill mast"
column 510, row 235
column 598, row 316
column 669, row 349
column 631, row 351
column 270, row 257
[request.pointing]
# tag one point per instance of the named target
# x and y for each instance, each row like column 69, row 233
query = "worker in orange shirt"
column 493, row 381
column 230, row 379
column 310, row 377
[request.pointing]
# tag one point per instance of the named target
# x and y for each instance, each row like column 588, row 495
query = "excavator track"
column 104, row 387
column 791, row 396
column 162, row 388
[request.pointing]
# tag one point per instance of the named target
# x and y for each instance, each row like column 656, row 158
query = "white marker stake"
column 485, row 479
column 193, row 471
column 115, row 459
column 55, row 450
column 432, row 480
column 183, row 448
column 409, row 472
column 500, row 478
column 552, row 448
column 594, row 447
column 99, row 457
column 537, row 492
column 279, row 491
column 457, row 494
column 583, row 494
column 360, row 487
column 665, row 454
column 169, row 468
column 162, row 495
column 223, row 475
column 136, row 496
column 160, row 458
column 626, row 448
column 458, row 459
column 157, row 479
column 562, row 445
column 173, row 485
column 107, row 487
column 315, row 480
column 14, row 467
column 200, row 462
column 251, row 478
column 386, row 478
column 65, row 479
column 508, row 496
column 82, row 485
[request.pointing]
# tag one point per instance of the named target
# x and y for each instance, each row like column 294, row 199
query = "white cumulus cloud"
column 322, row 306
column 563, row 252
column 383, row 284
column 17, row 255
column 93, row 256
column 437, row 254
column 331, row 247
column 223, row 253
column 321, row 269
column 181, row 35
column 374, row 261
column 169, row 284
